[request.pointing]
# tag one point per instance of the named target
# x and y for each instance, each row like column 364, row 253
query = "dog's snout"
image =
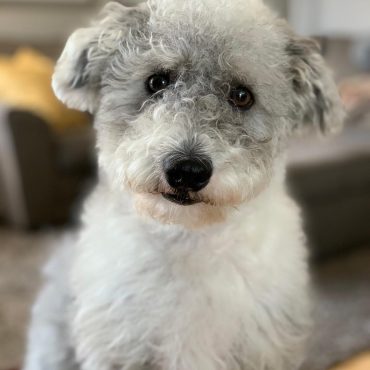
column 188, row 174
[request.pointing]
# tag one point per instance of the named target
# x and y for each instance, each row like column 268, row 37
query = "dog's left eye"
column 241, row 98
column 158, row 82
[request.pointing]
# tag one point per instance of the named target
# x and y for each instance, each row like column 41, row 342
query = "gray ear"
column 316, row 98
column 78, row 72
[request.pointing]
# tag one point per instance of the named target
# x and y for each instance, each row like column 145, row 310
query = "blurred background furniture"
column 42, row 173
column 330, row 178
column 46, row 150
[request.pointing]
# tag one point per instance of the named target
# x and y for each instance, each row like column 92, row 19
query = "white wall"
column 41, row 23
column 343, row 18
column 22, row 23
column 47, row 23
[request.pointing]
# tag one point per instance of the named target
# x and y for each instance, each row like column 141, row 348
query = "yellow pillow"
column 25, row 82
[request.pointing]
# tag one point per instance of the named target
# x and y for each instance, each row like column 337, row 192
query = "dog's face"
column 194, row 101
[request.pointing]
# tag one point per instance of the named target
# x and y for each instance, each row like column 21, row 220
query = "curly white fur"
column 218, row 285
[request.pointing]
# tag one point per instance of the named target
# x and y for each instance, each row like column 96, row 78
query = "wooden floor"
column 21, row 258
column 361, row 362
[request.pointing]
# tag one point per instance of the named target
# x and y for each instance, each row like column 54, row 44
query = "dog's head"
column 194, row 100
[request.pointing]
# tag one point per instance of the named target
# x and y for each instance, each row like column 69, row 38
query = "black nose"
column 188, row 174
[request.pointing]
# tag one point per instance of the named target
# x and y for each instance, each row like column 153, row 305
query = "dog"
column 191, row 254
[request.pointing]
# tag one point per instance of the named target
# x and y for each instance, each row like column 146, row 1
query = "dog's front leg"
column 48, row 346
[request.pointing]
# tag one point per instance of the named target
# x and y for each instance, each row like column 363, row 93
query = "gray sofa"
column 42, row 173
column 331, row 180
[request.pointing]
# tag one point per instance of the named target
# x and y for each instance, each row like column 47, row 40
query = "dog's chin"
column 178, row 209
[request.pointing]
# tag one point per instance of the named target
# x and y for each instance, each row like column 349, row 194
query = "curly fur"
column 219, row 285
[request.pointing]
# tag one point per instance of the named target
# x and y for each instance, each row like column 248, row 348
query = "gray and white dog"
column 191, row 254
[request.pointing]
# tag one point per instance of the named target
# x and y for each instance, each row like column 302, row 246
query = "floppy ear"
column 78, row 73
column 316, row 99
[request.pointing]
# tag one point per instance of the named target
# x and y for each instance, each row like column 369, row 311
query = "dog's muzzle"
column 186, row 176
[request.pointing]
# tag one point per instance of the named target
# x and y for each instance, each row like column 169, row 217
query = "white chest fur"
column 229, row 297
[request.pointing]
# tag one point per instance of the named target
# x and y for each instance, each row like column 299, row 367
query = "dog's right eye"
column 158, row 82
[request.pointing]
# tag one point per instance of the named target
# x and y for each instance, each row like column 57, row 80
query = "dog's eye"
column 158, row 82
column 241, row 98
